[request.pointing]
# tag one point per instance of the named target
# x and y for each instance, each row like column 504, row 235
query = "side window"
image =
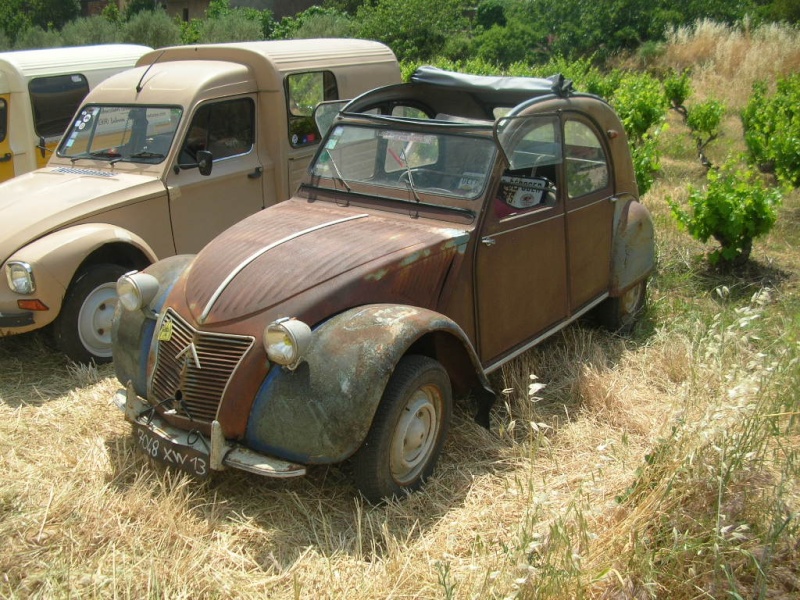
column 223, row 128
column 586, row 163
column 3, row 120
column 303, row 92
column 54, row 101
column 533, row 148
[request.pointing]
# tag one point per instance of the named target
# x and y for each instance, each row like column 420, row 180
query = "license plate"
column 165, row 450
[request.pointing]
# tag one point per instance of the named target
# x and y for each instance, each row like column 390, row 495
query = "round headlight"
column 136, row 290
column 20, row 277
column 286, row 341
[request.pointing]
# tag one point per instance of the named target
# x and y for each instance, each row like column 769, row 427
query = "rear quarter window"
column 54, row 100
column 3, row 120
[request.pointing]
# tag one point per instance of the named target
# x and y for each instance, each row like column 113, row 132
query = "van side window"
column 303, row 92
column 54, row 100
column 3, row 119
column 586, row 163
column 223, row 128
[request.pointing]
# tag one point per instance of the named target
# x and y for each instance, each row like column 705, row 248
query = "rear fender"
column 322, row 411
column 633, row 256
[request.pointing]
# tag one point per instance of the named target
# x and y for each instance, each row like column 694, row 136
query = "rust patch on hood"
column 298, row 247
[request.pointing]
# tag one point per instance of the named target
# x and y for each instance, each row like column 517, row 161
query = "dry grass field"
column 663, row 465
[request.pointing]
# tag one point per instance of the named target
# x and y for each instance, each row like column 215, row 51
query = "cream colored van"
column 40, row 90
column 157, row 161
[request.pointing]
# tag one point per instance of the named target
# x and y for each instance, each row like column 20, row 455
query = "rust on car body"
column 430, row 243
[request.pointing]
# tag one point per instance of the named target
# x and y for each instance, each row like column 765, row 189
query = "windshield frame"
column 126, row 139
column 384, row 127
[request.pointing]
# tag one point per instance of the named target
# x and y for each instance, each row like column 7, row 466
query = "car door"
column 203, row 206
column 590, row 210
column 521, row 267
column 6, row 157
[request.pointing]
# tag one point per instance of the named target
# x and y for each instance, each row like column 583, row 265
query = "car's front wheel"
column 408, row 431
column 83, row 329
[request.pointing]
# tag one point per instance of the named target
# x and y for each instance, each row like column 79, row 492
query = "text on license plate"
column 166, row 451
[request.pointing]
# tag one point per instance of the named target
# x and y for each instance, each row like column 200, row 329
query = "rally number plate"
column 165, row 450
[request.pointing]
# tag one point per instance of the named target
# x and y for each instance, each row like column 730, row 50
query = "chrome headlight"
column 136, row 290
column 286, row 341
column 20, row 277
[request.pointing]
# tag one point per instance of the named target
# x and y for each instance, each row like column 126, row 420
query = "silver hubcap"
column 94, row 319
column 415, row 435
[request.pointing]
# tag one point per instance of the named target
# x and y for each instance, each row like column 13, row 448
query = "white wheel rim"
column 94, row 319
column 415, row 435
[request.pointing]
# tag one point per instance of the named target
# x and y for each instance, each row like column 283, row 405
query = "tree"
column 89, row 30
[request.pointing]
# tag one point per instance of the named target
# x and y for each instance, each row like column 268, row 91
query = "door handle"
column 256, row 173
column 6, row 157
column 488, row 241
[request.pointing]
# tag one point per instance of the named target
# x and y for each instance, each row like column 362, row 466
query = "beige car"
column 158, row 161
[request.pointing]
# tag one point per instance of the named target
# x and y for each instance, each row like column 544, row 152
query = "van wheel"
column 83, row 329
column 408, row 430
column 621, row 313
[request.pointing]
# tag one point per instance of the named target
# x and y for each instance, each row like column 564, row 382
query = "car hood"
column 51, row 198
column 313, row 259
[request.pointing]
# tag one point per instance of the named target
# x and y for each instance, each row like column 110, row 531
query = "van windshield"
column 140, row 134
column 432, row 162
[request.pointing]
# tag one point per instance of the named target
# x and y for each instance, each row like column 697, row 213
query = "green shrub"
column 235, row 26
column 89, row 30
column 772, row 129
column 705, row 121
column 151, row 28
column 36, row 37
column 640, row 103
column 646, row 158
column 734, row 208
column 678, row 88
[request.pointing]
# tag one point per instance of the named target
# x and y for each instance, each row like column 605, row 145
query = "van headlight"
column 286, row 341
column 136, row 290
column 20, row 277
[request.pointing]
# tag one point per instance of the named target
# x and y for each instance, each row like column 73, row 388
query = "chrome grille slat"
column 201, row 389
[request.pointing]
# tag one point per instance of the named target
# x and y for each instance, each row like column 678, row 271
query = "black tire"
column 621, row 313
column 408, row 431
column 83, row 329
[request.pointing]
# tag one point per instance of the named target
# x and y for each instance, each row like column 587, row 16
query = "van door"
column 6, row 158
column 201, row 206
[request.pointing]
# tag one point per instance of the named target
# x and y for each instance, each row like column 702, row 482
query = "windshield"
column 444, row 164
column 140, row 134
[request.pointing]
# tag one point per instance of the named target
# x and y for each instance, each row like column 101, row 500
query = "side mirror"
column 205, row 160
column 42, row 146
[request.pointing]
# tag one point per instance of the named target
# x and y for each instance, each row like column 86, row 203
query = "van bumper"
column 15, row 320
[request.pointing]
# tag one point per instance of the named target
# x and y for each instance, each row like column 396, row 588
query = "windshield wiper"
column 338, row 172
column 146, row 154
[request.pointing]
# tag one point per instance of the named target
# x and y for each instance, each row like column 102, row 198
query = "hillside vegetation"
column 664, row 465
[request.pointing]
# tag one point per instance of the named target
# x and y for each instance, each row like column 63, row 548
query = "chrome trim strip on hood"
column 262, row 251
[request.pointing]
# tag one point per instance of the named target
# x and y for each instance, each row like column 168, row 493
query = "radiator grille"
column 178, row 382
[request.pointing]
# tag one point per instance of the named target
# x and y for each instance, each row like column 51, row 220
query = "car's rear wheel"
column 621, row 313
column 83, row 329
column 408, row 431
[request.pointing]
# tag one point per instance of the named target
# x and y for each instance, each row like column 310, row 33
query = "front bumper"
column 191, row 451
column 15, row 320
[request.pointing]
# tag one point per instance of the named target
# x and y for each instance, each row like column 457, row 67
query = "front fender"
column 132, row 331
column 55, row 258
column 634, row 254
column 321, row 412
